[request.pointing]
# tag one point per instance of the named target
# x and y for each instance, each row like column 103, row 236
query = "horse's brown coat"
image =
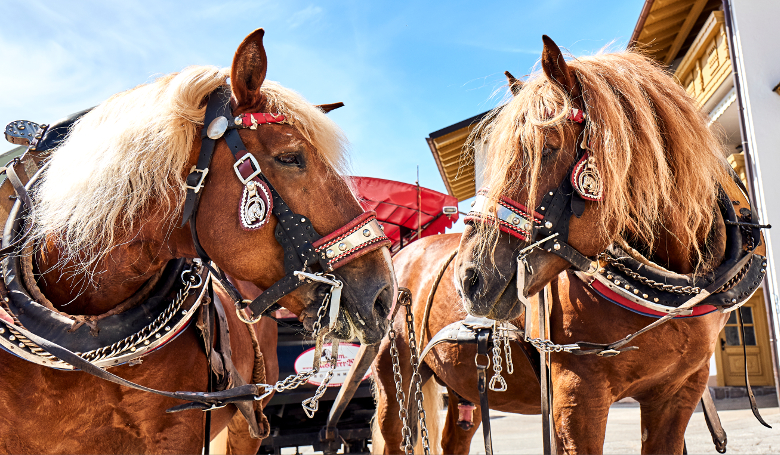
column 48, row 411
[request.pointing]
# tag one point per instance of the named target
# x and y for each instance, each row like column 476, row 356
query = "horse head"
column 587, row 153
column 283, row 161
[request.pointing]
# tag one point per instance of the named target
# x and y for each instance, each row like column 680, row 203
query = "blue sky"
column 403, row 70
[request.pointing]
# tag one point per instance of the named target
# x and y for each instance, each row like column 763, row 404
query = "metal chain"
column 311, row 405
column 406, row 432
column 682, row 290
column 544, row 345
column 510, row 366
column 497, row 382
column 416, row 378
column 129, row 342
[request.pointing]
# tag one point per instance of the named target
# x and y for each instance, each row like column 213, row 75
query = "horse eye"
column 547, row 151
column 289, row 158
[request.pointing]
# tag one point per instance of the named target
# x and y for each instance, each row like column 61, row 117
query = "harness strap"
column 751, row 397
column 713, row 421
column 248, row 392
column 483, row 337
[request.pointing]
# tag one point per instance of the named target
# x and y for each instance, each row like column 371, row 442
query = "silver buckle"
column 203, row 174
column 253, row 160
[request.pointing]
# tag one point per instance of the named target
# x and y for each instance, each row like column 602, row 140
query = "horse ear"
column 515, row 85
column 555, row 66
column 329, row 107
column 249, row 67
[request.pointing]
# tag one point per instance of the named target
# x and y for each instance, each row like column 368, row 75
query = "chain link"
column 406, row 432
column 682, row 290
column 497, row 382
column 544, row 345
column 416, row 378
column 510, row 366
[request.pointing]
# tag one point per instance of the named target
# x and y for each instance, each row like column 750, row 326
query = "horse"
column 623, row 175
column 106, row 215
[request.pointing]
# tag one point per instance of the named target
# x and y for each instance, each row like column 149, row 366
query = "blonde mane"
column 128, row 155
column 658, row 160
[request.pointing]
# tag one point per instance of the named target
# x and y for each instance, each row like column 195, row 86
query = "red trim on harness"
column 260, row 118
column 611, row 295
column 344, row 231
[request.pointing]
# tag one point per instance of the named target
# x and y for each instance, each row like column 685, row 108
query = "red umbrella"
column 395, row 204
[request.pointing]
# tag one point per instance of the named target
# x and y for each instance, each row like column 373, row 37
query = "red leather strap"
column 258, row 118
column 612, row 296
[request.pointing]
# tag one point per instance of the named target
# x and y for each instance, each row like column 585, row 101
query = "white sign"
column 347, row 354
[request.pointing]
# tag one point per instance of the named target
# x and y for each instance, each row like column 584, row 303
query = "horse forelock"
column 658, row 159
column 127, row 156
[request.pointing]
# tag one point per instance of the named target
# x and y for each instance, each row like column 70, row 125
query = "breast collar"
column 640, row 286
column 304, row 249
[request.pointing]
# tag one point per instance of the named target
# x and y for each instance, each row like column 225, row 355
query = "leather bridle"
column 548, row 226
column 308, row 256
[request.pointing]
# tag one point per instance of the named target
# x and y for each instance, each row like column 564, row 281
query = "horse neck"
column 120, row 276
column 672, row 254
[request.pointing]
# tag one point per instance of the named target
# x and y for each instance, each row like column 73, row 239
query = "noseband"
column 308, row 256
column 548, row 226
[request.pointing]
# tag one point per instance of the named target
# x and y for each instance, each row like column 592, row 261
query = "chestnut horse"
column 108, row 214
column 655, row 194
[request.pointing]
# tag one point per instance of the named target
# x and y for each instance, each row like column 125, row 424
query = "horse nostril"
column 383, row 301
column 471, row 282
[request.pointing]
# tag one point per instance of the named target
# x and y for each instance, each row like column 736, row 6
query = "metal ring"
column 247, row 321
column 190, row 279
column 476, row 361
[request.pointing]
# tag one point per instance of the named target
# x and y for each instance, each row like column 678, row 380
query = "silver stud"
column 557, row 246
column 12, row 338
column 644, row 296
column 609, row 277
column 342, row 246
column 515, row 220
column 551, row 193
column 366, row 233
column 548, row 225
column 617, row 282
column 184, row 312
column 238, row 120
column 733, row 300
column 763, row 271
column 655, row 299
column 21, row 345
column 628, row 287
column 303, row 220
column 132, row 348
column 2, row 329
column 636, row 291
column 542, row 208
column 167, row 328
column 146, row 342
column 6, row 299
column 157, row 335
column 526, row 226
column 330, row 253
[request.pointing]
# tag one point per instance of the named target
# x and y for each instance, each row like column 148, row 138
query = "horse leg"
column 664, row 421
column 387, row 408
column 580, row 409
column 455, row 439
